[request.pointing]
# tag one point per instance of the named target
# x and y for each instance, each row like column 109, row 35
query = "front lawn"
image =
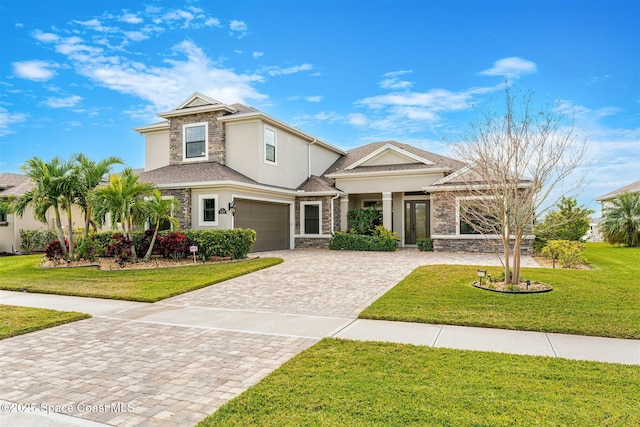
column 600, row 302
column 21, row 320
column 23, row 273
column 349, row 383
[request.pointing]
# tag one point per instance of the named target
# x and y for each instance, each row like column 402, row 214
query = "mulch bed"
column 154, row 262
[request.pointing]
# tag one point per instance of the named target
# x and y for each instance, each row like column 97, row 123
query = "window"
column 311, row 219
column 195, row 141
column 269, row 145
column 3, row 217
column 208, row 210
column 475, row 217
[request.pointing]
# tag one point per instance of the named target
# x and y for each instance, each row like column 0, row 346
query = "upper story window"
column 195, row 141
column 269, row 145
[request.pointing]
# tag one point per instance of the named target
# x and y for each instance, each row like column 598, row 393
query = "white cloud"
column 278, row 71
column 34, row 70
column 258, row 54
column 212, row 22
column 69, row 101
column 392, row 80
column 7, row 119
column 317, row 98
column 131, row 18
column 238, row 28
column 512, row 67
column 45, row 37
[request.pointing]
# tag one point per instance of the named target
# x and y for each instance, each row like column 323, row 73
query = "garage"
column 270, row 220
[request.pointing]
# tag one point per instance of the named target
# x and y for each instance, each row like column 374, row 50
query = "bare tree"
column 515, row 157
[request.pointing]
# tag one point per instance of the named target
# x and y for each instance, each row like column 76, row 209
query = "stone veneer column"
column 344, row 208
column 387, row 201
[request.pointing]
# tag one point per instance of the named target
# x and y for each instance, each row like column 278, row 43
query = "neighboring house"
column 605, row 201
column 233, row 166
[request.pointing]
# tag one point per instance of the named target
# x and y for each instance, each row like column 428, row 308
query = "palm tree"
column 52, row 190
column 621, row 221
column 159, row 210
column 122, row 200
column 90, row 175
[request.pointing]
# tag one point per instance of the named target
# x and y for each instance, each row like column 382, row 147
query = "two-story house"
column 233, row 166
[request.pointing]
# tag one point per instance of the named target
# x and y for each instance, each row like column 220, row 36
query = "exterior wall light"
column 232, row 207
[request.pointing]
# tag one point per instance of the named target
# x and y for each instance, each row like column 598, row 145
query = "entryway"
column 416, row 220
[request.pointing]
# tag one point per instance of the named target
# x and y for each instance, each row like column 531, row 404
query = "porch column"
column 344, row 208
column 386, row 210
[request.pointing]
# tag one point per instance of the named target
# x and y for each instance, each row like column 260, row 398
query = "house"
column 605, row 202
column 15, row 185
column 233, row 166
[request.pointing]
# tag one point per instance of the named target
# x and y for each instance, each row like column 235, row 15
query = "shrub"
column 235, row 243
column 359, row 242
column 364, row 220
column 89, row 248
column 53, row 251
column 385, row 233
column 142, row 240
column 120, row 248
column 174, row 246
column 569, row 253
column 425, row 244
column 36, row 240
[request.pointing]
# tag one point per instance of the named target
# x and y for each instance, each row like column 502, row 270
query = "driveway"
column 176, row 361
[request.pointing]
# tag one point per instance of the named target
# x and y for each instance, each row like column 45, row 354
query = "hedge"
column 360, row 242
column 425, row 244
column 235, row 243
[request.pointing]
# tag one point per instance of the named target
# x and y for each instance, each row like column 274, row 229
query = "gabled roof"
column 197, row 103
column 363, row 160
column 633, row 188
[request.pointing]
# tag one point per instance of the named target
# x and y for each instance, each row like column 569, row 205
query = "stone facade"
column 443, row 218
column 216, row 136
column 183, row 215
column 311, row 243
column 326, row 212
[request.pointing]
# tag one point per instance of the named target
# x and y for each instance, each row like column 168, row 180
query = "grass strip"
column 349, row 383
column 600, row 302
column 23, row 273
column 16, row 320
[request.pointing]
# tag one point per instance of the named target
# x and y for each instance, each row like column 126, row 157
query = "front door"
column 416, row 220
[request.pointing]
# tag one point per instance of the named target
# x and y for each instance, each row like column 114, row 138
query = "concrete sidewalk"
column 566, row 346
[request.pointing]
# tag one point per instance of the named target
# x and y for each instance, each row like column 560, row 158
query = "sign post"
column 193, row 250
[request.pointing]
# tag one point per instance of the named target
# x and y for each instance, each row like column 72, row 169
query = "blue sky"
column 77, row 76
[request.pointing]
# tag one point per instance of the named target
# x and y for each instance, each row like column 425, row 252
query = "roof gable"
column 197, row 103
column 197, row 100
column 387, row 155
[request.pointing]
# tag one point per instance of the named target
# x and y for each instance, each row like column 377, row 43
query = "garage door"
column 270, row 220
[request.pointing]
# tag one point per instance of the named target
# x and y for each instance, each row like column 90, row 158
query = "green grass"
column 23, row 273
column 599, row 302
column 21, row 320
column 348, row 383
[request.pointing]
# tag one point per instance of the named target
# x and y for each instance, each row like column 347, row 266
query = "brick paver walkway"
column 124, row 371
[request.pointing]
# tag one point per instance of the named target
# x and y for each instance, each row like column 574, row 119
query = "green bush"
column 360, row 242
column 364, row 220
column 425, row 244
column 89, row 248
column 235, row 243
column 36, row 240
column 569, row 253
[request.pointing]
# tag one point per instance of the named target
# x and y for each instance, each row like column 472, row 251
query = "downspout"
column 14, row 246
column 332, row 221
column 309, row 157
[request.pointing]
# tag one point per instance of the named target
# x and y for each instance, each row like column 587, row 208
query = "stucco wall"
column 157, row 151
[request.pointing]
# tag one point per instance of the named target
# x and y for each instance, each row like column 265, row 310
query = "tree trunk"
column 70, row 231
column 153, row 242
column 58, row 225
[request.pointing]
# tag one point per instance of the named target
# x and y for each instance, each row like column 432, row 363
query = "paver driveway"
column 174, row 362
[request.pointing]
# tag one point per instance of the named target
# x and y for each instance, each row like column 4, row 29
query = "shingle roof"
column 633, row 187
column 358, row 153
column 193, row 172
column 14, row 184
column 316, row 183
